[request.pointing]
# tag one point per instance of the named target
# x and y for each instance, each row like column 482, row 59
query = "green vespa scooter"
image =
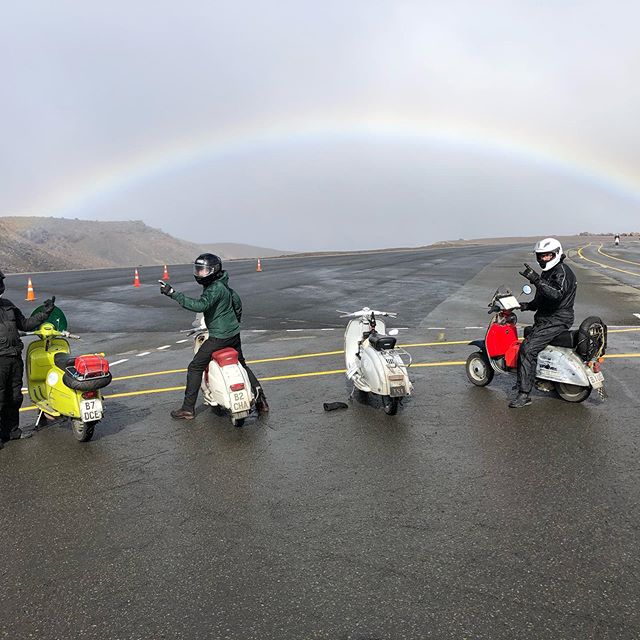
column 62, row 385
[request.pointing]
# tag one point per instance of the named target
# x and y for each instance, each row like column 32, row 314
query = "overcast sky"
column 312, row 125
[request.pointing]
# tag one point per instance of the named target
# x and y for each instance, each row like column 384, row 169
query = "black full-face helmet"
column 1, row 282
column 206, row 268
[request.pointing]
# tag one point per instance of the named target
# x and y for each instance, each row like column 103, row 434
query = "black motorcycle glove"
column 524, row 306
column 49, row 305
column 529, row 274
column 166, row 289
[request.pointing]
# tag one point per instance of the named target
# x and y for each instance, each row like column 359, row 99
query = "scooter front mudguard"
column 560, row 364
column 481, row 344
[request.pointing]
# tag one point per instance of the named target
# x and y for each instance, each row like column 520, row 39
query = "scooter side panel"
column 214, row 388
column 560, row 364
column 65, row 400
column 374, row 370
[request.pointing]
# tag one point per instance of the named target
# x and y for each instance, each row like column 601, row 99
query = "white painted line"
column 327, row 329
column 24, row 389
column 181, row 341
column 292, row 330
column 258, row 330
column 112, row 364
column 474, row 327
column 144, row 353
column 437, row 328
column 166, row 346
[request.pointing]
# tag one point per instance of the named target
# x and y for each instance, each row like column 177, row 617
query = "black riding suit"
column 553, row 304
column 11, row 367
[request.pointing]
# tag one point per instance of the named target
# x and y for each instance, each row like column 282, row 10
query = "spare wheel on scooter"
column 591, row 338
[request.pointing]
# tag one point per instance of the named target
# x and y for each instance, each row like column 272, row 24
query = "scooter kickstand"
column 40, row 414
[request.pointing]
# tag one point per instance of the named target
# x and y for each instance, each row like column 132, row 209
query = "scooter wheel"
column 572, row 392
column 390, row 405
column 237, row 422
column 83, row 431
column 479, row 369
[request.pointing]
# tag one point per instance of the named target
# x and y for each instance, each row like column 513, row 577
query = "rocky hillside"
column 47, row 244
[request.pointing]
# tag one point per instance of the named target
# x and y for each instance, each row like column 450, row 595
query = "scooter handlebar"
column 367, row 312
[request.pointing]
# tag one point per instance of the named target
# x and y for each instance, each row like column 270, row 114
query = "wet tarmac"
column 457, row 518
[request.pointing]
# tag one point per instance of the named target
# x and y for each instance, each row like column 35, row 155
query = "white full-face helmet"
column 548, row 245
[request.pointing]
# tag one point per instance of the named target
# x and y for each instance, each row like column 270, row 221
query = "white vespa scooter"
column 374, row 364
column 225, row 384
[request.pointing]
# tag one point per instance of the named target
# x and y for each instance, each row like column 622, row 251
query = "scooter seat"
column 380, row 342
column 63, row 360
column 566, row 339
column 225, row 357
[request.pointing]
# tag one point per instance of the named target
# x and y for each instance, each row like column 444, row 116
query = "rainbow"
column 179, row 155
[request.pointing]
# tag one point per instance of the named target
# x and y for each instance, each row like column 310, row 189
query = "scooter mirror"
column 392, row 332
column 526, row 289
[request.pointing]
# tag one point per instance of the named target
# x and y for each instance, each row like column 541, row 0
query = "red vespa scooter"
column 571, row 361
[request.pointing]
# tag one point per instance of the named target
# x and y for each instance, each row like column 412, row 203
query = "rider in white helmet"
column 553, row 304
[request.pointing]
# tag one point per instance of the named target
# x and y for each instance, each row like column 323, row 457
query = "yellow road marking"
column 623, row 355
column 605, row 266
column 148, row 375
column 602, row 253
column 311, row 374
column 286, row 358
column 304, row 355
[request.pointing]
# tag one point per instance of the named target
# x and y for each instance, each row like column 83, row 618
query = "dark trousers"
column 201, row 361
column 11, row 370
column 540, row 337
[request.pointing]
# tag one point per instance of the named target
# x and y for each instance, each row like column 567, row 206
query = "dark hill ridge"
column 50, row 244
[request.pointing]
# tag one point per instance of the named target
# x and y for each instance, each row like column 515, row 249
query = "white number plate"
column 239, row 401
column 91, row 410
column 596, row 379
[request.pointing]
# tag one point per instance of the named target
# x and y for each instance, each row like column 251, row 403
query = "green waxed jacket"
column 220, row 304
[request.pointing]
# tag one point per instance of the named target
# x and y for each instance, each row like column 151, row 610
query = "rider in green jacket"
column 222, row 309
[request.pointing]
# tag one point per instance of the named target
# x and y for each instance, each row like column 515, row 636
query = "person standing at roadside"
column 12, row 321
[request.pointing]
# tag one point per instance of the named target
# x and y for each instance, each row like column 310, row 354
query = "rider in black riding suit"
column 553, row 304
column 12, row 321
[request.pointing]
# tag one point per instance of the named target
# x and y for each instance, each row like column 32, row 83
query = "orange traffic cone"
column 259, row 266
column 30, row 292
column 136, row 279
column 165, row 274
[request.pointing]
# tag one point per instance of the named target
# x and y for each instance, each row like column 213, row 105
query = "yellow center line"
column 606, row 266
column 311, row 374
column 297, row 357
column 602, row 253
column 622, row 355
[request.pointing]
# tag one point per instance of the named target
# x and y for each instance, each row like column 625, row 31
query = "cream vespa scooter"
column 374, row 364
column 226, row 387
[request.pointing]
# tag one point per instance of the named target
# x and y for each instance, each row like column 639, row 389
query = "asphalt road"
column 457, row 518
